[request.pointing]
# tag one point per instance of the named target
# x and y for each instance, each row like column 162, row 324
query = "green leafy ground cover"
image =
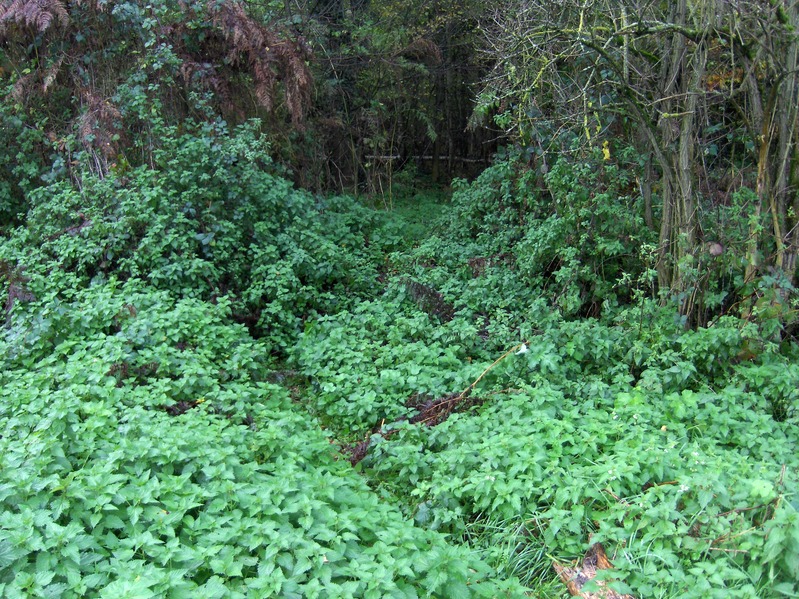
column 108, row 492
column 197, row 351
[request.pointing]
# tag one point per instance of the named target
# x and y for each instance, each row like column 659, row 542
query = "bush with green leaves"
column 658, row 441
column 686, row 488
column 210, row 218
column 586, row 240
column 575, row 233
column 493, row 209
column 24, row 153
column 148, row 451
column 368, row 364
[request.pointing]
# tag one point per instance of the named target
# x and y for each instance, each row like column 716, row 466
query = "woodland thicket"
column 368, row 298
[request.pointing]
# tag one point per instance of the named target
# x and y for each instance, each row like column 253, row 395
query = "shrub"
column 208, row 220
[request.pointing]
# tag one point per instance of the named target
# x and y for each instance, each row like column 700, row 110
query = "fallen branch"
column 577, row 577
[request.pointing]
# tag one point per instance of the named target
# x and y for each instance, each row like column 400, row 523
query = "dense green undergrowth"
column 674, row 448
column 145, row 455
column 211, row 218
column 194, row 348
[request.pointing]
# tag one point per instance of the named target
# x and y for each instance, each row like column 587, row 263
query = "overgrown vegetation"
column 217, row 383
column 675, row 447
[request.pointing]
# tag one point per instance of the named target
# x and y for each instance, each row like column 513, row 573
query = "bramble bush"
column 575, row 236
column 23, row 156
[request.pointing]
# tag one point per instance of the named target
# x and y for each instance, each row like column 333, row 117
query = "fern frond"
column 38, row 14
column 21, row 87
column 99, row 128
column 51, row 73
column 268, row 57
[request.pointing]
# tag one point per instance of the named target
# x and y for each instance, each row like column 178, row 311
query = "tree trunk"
column 785, row 225
column 789, row 262
column 681, row 84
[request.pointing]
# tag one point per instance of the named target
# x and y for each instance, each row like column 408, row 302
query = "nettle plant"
column 662, row 443
column 370, row 364
column 210, row 218
column 144, row 455
column 688, row 488
column 574, row 233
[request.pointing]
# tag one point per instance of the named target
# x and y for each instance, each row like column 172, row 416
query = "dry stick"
column 724, row 538
column 471, row 387
column 741, row 510
column 463, row 394
column 621, row 500
column 781, row 480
